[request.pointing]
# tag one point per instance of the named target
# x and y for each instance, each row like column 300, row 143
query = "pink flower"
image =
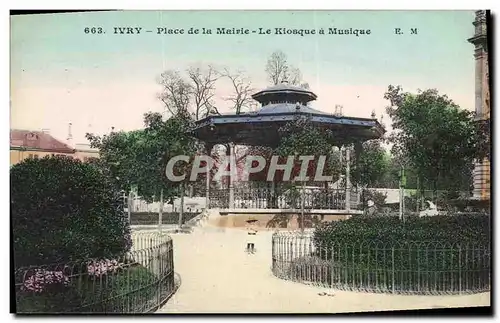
column 99, row 268
column 42, row 278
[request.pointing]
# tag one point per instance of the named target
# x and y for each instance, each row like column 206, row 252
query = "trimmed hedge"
column 64, row 210
column 460, row 229
column 422, row 255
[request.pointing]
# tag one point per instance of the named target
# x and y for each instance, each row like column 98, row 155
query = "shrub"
column 460, row 229
column 63, row 210
column 442, row 253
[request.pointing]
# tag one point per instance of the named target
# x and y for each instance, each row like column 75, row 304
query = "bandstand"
column 280, row 105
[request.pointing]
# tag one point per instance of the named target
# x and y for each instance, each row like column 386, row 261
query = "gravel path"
column 219, row 277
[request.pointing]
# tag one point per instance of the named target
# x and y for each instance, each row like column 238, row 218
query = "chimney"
column 69, row 140
column 338, row 110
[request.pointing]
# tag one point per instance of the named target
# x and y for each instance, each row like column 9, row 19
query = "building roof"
column 281, row 104
column 37, row 140
column 262, row 129
column 286, row 108
column 284, row 89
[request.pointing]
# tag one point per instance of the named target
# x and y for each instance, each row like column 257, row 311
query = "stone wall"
column 285, row 221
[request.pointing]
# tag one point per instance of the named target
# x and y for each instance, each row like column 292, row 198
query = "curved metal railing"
column 399, row 267
column 139, row 281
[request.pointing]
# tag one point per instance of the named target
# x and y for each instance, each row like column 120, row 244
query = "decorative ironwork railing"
column 292, row 198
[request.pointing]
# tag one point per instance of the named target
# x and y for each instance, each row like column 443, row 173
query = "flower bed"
column 105, row 287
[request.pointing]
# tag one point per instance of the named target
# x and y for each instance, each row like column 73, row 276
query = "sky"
column 60, row 74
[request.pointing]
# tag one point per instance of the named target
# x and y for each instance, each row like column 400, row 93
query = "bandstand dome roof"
column 281, row 104
column 283, row 87
column 286, row 108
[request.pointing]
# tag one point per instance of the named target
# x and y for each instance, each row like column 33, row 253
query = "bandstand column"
column 232, row 173
column 347, row 179
column 209, row 154
column 358, row 150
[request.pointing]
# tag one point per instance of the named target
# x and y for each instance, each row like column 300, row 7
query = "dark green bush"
column 442, row 253
column 460, row 229
column 64, row 210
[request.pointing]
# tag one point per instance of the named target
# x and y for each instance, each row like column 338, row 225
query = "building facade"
column 35, row 144
column 481, row 172
column 38, row 144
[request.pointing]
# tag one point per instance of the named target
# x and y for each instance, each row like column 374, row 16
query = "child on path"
column 251, row 235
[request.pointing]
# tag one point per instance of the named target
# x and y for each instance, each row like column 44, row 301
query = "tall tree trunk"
column 129, row 205
column 418, row 198
column 160, row 211
column 181, row 211
column 435, row 189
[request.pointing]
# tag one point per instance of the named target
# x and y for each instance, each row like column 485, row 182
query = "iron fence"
column 139, row 281
column 398, row 268
column 318, row 198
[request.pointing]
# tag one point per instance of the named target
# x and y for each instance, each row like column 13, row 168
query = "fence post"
column 393, row 271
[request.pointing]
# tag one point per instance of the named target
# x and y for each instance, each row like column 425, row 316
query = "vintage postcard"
column 250, row 161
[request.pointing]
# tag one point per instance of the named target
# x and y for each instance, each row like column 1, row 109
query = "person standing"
column 371, row 210
column 251, row 235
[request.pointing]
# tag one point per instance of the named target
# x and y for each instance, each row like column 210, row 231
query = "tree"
column 165, row 140
column 301, row 137
column 241, row 97
column 140, row 157
column 391, row 178
column 371, row 165
column 177, row 92
column 117, row 156
column 279, row 70
column 277, row 67
column 433, row 135
column 203, row 89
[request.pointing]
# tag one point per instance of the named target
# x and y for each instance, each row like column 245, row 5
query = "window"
column 36, row 156
column 30, row 156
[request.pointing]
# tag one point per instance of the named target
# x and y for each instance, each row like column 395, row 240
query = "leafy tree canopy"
column 432, row 134
column 140, row 157
column 371, row 165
